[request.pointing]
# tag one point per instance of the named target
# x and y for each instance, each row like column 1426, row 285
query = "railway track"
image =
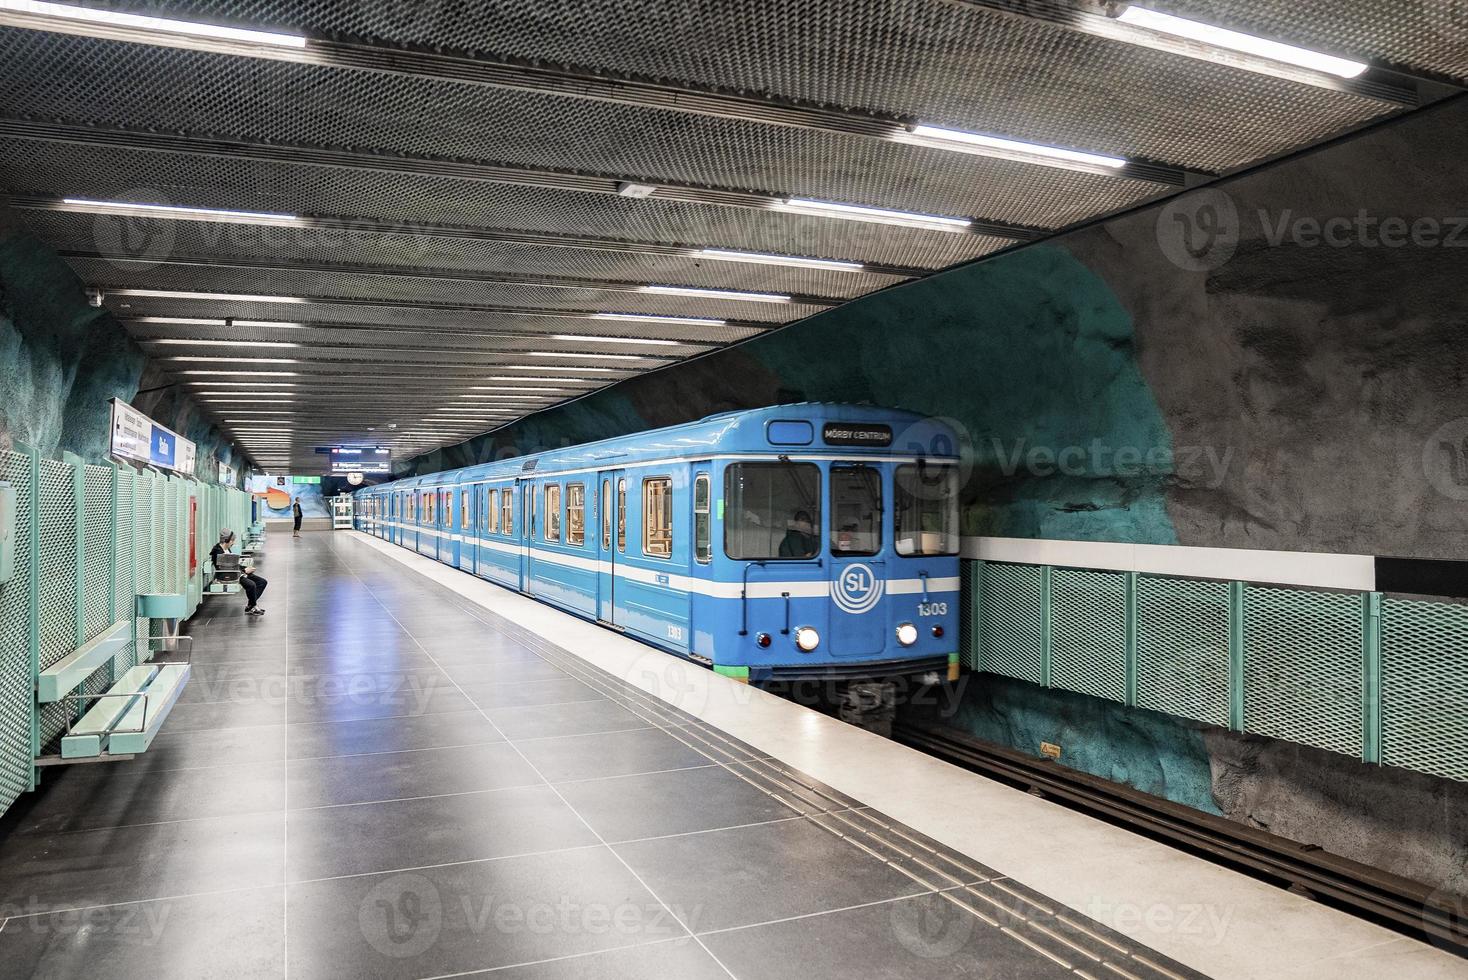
column 1400, row 903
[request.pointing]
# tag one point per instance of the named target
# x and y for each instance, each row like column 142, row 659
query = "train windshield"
column 856, row 510
column 925, row 518
column 772, row 511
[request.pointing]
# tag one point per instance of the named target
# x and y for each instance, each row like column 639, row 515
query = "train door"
column 858, row 574
column 611, row 531
column 464, row 536
column 525, row 492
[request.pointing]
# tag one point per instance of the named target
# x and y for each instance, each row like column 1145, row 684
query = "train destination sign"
column 856, row 434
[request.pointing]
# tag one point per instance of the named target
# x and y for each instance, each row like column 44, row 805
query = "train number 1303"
column 932, row 609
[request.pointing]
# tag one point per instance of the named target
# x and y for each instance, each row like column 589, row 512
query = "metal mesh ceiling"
column 941, row 62
column 111, row 236
column 406, row 312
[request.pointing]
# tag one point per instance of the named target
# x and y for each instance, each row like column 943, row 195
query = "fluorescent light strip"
column 172, row 211
column 197, row 358
column 511, row 377
column 216, row 297
column 252, row 401
column 768, row 258
column 616, row 340
column 186, row 342
column 693, row 321
column 551, row 367
column 981, row 141
column 189, row 321
column 594, row 357
column 1219, row 37
column 68, row 14
column 511, row 388
column 251, row 374
column 858, row 212
column 715, row 293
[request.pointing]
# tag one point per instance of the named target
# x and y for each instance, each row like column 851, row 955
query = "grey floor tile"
column 371, row 837
column 687, row 800
column 103, row 867
column 468, row 917
column 400, row 775
column 225, row 714
column 677, row 959
column 609, row 754
column 400, row 734
column 114, row 795
column 424, row 694
column 236, row 935
column 503, row 672
column 212, row 748
column 585, row 718
column 746, row 875
column 921, row 938
column 561, row 690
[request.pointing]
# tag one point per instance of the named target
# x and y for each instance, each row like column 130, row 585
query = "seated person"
column 800, row 540
column 249, row 581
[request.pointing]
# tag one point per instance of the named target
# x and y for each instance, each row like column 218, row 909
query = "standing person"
column 296, row 513
column 249, row 581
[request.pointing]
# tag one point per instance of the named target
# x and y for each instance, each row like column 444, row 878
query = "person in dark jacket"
column 297, row 514
column 249, row 581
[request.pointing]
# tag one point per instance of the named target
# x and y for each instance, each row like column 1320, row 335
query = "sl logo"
column 857, row 589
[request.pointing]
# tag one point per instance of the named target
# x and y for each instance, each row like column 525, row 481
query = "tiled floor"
column 377, row 780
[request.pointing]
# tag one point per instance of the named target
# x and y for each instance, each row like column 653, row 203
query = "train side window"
column 772, row 511
column 507, row 511
column 856, row 510
column 657, row 517
column 925, row 512
column 576, row 514
column 428, row 501
column 464, row 510
column 702, row 547
column 622, row 516
column 553, row 512
column 606, row 515
column 492, row 511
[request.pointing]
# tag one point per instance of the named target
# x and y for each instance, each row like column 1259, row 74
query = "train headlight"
column 807, row 639
column 907, row 634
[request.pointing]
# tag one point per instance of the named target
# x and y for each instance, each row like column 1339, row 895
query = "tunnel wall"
column 61, row 360
column 1276, row 361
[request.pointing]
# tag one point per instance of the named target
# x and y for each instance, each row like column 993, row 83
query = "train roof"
column 834, row 428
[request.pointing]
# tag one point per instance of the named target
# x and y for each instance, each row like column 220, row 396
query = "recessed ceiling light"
column 66, row 15
column 769, row 258
column 216, row 297
column 196, row 358
column 238, row 384
column 595, row 357
column 189, row 321
column 715, row 293
column 511, row 377
column 859, row 212
column 616, row 340
column 980, row 142
column 1218, row 37
column 579, row 369
column 172, row 211
column 252, row 401
column 511, row 388
column 186, row 342
column 693, row 321
column 252, row 374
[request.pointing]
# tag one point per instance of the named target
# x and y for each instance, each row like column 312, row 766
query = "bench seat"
column 126, row 720
column 64, row 676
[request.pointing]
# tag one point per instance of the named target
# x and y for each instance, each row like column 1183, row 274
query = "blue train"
column 792, row 542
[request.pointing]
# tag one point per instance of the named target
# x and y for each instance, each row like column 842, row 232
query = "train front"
column 844, row 550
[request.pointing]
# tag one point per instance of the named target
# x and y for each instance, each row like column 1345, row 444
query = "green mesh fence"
column 1424, row 687
column 969, row 576
column 1011, row 611
column 1088, row 632
column 1302, row 667
column 1183, row 647
column 16, row 624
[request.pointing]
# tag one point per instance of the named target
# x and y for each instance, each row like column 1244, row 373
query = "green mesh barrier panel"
column 1424, row 687
column 1302, row 667
column 16, row 684
column 1088, row 632
column 123, row 602
column 57, row 569
column 968, row 619
column 1011, row 638
column 98, row 557
column 1182, row 647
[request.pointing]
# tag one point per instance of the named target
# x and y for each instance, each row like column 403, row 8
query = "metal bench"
column 129, row 715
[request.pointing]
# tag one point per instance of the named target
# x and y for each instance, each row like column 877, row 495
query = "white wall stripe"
column 1308, row 568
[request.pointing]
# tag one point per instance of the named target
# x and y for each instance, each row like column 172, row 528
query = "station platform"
column 402, row 771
